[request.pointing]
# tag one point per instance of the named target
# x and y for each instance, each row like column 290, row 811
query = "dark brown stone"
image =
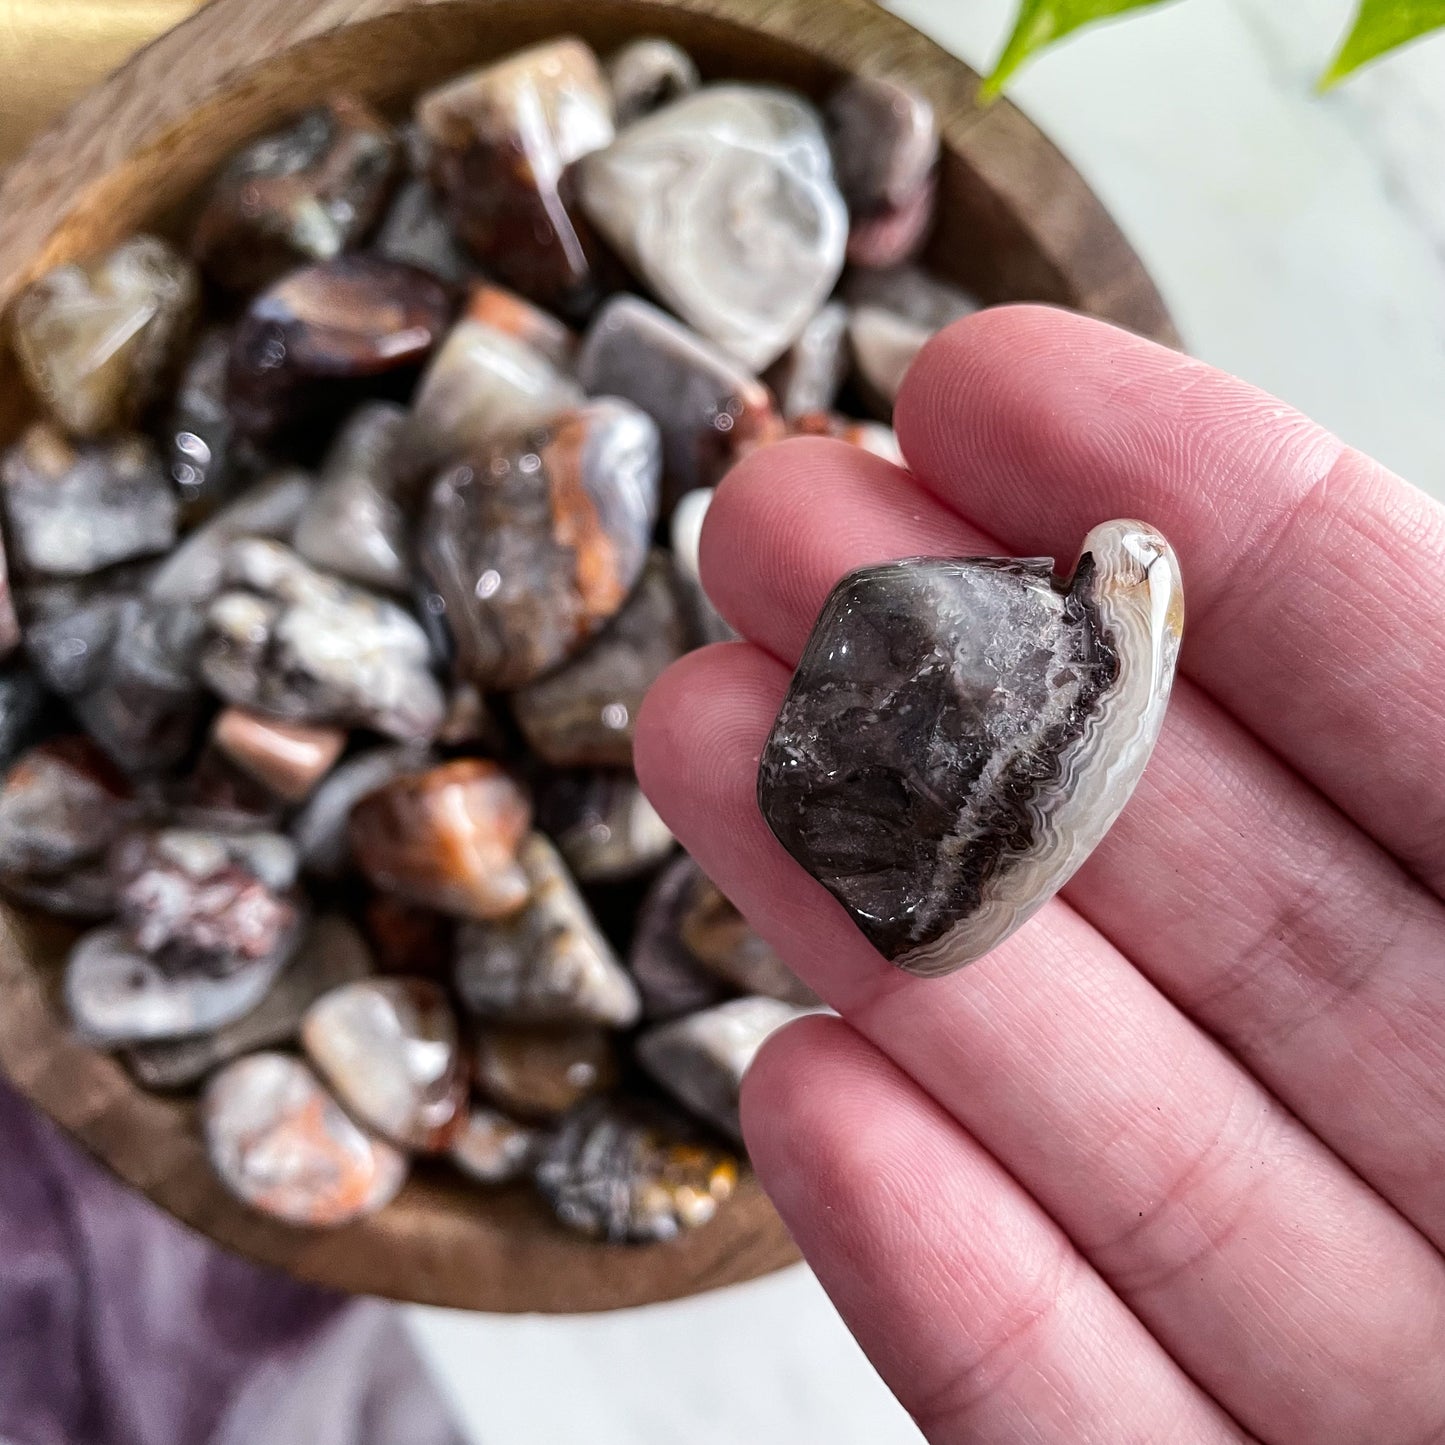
column 541, row 1073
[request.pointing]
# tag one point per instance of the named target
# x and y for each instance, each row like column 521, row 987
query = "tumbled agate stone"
column 960, row 734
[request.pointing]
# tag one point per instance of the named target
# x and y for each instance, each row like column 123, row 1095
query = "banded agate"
column 961, row 734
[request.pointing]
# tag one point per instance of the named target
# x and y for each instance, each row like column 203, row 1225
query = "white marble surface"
column 1299, row 242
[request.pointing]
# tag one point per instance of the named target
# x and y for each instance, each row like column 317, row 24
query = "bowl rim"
column 66, row 195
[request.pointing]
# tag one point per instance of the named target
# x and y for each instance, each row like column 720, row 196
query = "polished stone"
column 724, row 203
column 302, row 646
column 584, row 714
column 628, row 1174
column 485, row 387
column 96, row 339
column 685, row 533
column 331, row 953
column 312, row 341
column 515, row 316
column 723, row 942
column 307, row 192
column 669, row 976
column 288, row 759
column 320, row 829
column 410, row 939
column 353, row 523
column 550, row 964
column 701, row 1059
column 205, row 459
column 648, row 73
column 501, row 140
column 884, row 137
column 960, row 734
column 23, row 710
column 541, row 1073
column 9, row 622
column 389, row 1050
column 534, row 548
column 447, row 838
column 709, row 408
column 282, row 1145
column 118, row 995
column 493, row 1149
column 603, row 824
column 206, row 901
column 415, row 231
column 74, row 509
column 809, row 374
column 894, row 236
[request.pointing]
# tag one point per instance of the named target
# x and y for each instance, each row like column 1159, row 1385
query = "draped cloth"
column 118, row 1326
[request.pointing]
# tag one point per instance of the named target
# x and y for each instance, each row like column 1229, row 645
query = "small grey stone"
column 646, row 74
column 321, row 828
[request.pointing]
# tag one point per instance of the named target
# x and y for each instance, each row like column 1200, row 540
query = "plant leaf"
column 1041, row 22
column 1381, row 26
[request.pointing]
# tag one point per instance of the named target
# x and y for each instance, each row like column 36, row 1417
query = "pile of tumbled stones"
column 350, row 539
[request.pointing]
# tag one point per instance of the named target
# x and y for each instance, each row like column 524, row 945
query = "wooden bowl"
column 1017, row 222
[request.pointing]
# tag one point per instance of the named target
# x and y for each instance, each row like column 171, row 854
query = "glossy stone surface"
column 709, row 408
column 309, row 341
column 723, row 942
column 550, row 964
column 447, row 839
column 96, row 339
column 72, row 510
column 485, row 387
column 534, row 548
column 724, row 203
column 388, row 1048
column 196, row 571
column 202, row 454
column 281, row 1144
column 584, row 714
column 416, row 232
column 627, row 1174
column 646, row 74
column 306, row 192
column 321, row 829
column 960, row 734
column 701, row 1059
column 409, row 939
column 603, row 825
column 210, row 901
column 707, row 624
column 332, row 953
column 541, row 1073
column 809, row 374
column 288, row 759
column 884, row 138
column 669, row 977
column 493, row 1149
column 353, row 523
column 62, row 804
column 302, row 646
column 117, row 994
column 515, row 316
column 501, row 140
column 9, row 622
column 896, row 235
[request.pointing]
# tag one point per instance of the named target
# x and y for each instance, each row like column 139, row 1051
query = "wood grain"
column 1017, row 223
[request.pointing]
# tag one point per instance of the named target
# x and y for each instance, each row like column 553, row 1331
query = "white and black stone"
column 961, row 733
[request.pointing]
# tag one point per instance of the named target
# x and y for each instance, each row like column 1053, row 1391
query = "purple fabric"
column 120, row 1327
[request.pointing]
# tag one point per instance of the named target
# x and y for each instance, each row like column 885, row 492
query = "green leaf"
column 1381, row 26
column 1041, row 22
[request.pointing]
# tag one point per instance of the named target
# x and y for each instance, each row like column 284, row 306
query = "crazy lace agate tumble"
column 73, row 510
column 447, row 838
column 625, row 1173
column 493, row 1149
column 603, row 824
column 550, row 963
column 501, row 140
column 305, row 193
column 96, row 339
column 284, row 1146
column 648, row 73
column 718, row 937
column 724, row 203
column 960, row 735
column 541, row 1073
column 388, row 1048
column 303, row 646
column 535, row 547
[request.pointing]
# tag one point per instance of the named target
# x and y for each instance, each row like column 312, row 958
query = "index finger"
column 1315, row 578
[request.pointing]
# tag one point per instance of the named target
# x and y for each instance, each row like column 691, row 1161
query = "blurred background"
column 1298, row 240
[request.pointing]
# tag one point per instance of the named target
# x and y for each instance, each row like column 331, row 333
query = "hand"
column 1169, row 1165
